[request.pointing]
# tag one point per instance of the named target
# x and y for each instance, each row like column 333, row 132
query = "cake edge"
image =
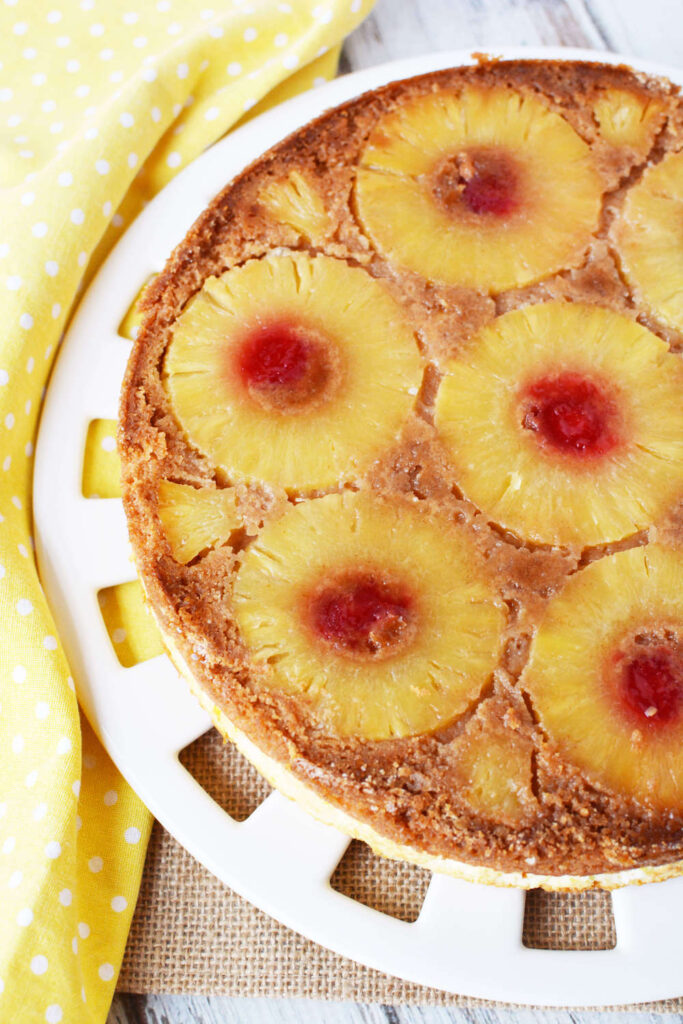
column 287, row 784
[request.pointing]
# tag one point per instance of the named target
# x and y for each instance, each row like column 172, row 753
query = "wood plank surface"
column 649, row 29
column 218, row 1010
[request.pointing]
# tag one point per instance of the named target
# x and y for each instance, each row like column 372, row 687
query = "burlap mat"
column 191, row 934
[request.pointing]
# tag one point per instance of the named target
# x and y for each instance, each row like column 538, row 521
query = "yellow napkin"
column 100, row 104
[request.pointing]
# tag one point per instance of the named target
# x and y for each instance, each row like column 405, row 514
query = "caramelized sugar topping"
column 284, row 365
column 572, row 414
column 363, row 614
column 484, row 181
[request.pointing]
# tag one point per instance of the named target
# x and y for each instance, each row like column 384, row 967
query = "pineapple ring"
column 429, row 680
column 628, row 119
column 357, row 328
column 533, row 489
column 493, row 768
column 401, row 171
column 648, row 236
column 568, row 674
column 196, row 518
column 295, row 202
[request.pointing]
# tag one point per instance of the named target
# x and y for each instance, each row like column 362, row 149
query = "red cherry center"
column 652, row 686
column 572, row 413
column 490, row 190
column 362, row 614
column 485, row 181
column 275, row 356
column 285, row 367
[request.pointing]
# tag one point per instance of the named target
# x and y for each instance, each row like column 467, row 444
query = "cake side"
column 286, row 783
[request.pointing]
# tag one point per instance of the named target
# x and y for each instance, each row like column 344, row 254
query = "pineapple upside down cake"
column 402, row 443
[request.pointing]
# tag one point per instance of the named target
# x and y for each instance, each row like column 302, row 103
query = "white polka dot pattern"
column 39, row 964
column 102, row 104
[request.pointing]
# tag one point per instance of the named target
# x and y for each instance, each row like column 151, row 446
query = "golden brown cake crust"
column 407, row 789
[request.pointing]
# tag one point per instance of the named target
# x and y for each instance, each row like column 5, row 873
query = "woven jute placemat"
column 192, row 934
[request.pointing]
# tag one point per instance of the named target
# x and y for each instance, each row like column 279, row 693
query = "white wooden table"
column 217, row 1010
column 651, row 29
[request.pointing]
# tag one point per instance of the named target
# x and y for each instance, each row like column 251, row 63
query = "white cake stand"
column 467, row 938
